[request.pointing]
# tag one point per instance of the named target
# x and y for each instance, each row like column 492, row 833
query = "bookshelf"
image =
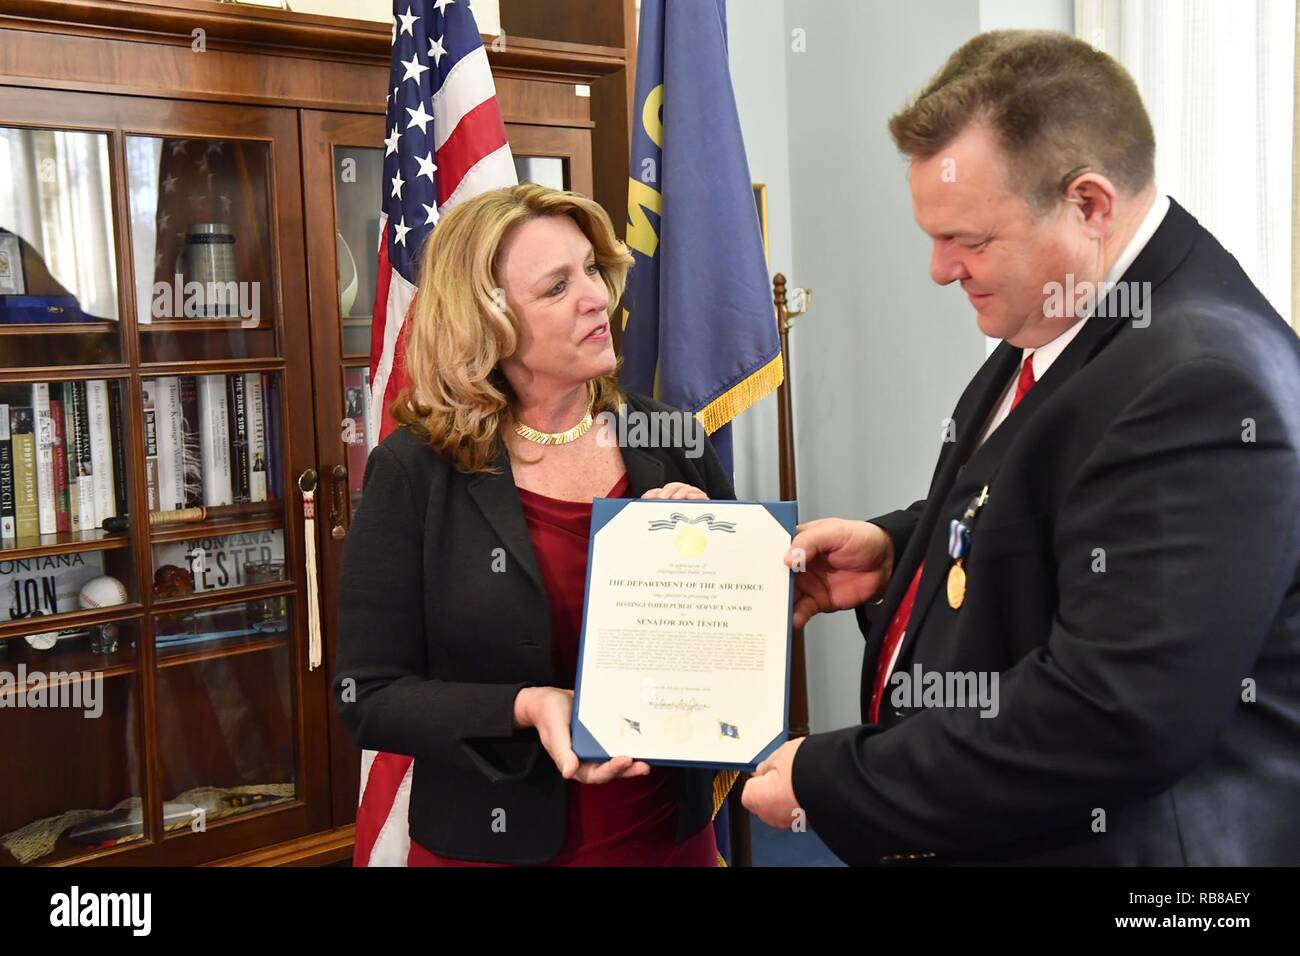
column 136, row 159
column 184, row 666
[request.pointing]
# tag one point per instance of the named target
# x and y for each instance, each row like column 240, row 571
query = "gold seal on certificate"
column 685, row 651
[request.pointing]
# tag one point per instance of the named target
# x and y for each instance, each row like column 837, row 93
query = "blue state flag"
column 699, row 328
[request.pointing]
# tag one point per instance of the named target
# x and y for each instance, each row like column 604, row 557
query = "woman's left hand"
column 677, row 490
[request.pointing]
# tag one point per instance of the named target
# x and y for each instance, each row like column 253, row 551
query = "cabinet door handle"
column 339, row 502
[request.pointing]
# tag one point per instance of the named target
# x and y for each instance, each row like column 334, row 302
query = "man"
column 1110, row 545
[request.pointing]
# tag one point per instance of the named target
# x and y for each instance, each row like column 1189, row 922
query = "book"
column 101, row 450
column 23, row 435
column 117, row 444
column 171, row 443
column 86, row 513
column 70, row 453
column 271, row 412
column 372, row 429
column 214, row 440
column 237, row 412
column 46, row 512
column 62, row 502
column 256, row 417
column 192, row 450
column 148, row 387
column 8, row 527
column 358, row 449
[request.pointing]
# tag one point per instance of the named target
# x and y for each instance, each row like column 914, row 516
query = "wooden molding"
column 319, row 849
column 252, row 29
column 151, row 20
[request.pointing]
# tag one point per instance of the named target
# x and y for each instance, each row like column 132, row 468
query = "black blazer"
column 439, row 644
column 1172, row 454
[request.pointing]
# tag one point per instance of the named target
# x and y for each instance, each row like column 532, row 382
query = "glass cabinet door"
column 220, row 325
column 346, row 152
column 71, row 627
column 358, row 171
column 149, row 461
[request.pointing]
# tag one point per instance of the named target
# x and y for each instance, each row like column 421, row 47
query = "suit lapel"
column 644, row 471
column 498, row 499
column 980, row 463
column 972, row 413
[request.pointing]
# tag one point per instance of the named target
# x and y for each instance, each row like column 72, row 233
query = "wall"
column 757, row 44
column 882, row 355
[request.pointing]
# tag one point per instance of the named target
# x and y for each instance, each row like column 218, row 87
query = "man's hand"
column 844, row 564
column 769, row 794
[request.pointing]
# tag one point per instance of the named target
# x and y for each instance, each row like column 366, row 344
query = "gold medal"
column 956, row 585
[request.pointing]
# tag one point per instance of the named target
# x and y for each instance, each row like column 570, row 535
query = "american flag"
column 444, row 142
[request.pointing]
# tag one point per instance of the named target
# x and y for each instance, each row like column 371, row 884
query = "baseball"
column 103, row 591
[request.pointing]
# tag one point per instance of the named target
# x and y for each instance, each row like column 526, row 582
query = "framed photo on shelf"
column 11, row 265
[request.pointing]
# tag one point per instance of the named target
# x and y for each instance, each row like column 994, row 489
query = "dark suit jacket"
column 1162, row 691
column 439, row 644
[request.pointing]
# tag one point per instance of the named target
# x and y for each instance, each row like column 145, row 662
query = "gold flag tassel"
column 742, row 395
column 723, row 781
column 314, row 654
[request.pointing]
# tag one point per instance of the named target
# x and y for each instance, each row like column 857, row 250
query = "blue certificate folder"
column 585, row 744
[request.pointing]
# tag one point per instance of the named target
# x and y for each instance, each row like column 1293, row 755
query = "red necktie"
column 1026, row 380
column 898, row 625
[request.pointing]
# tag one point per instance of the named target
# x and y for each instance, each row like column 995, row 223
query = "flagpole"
column 740, row 835
column 785, row 452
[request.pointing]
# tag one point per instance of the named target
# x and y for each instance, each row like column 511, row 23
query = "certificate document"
column 686, row 632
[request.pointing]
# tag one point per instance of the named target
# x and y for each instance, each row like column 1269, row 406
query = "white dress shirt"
column 1045, row 355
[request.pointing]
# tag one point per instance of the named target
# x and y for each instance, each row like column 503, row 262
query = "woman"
column 461, row 590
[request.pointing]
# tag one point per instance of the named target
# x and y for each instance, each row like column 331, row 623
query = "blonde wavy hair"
column 458, row 401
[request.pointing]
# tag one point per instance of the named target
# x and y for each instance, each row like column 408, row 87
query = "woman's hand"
column 677, row 490
column 549, row 709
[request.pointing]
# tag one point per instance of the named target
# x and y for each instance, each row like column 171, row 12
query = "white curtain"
column 54, row 193
column 143, row 159
column 1217, row 78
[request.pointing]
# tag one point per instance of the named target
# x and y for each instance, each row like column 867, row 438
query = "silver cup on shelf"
column 208, row 258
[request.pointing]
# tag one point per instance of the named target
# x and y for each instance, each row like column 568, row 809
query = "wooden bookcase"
column 266, row 107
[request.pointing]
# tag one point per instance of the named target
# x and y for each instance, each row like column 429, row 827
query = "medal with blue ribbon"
column 959, row 530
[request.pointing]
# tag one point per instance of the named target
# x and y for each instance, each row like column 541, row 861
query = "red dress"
column 630, row 822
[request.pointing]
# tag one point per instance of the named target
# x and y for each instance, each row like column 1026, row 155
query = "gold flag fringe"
column 742, row 395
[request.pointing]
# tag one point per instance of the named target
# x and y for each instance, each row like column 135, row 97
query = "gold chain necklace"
column 555, row 438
